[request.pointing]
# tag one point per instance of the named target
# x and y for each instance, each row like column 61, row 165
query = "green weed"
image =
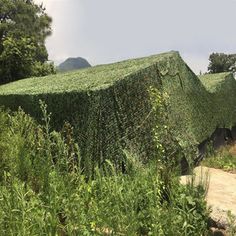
column 45, row 191
column 224, row 158
column 232, row 224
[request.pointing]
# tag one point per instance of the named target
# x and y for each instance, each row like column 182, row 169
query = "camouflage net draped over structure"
column 110, row 108
column 222, row 88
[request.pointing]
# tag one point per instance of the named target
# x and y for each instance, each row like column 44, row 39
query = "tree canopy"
column 220, row 62
column 24, row 27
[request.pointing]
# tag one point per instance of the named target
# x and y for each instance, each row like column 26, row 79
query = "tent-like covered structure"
column 111, row 110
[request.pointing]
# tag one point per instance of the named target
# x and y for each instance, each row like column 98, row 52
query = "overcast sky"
column 104, row 31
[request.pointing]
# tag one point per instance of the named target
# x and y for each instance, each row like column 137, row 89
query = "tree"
column 24, row 27
column 17, row 58
column 220, row 62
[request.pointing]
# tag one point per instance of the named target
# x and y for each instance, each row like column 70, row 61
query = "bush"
column 224, row 158
column 45, row 191
column 43, row 69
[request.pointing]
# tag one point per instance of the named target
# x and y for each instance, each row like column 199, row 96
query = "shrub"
column 44, row 191
column 224, row 158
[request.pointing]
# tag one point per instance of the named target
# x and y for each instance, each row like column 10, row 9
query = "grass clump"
column 224, row 158
column 45, row 189
column 232, row 224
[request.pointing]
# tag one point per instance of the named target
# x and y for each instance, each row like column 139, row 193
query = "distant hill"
column 73, row 64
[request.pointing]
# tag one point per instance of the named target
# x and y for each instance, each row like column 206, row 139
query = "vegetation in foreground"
column 224, row 158
column 45, row 191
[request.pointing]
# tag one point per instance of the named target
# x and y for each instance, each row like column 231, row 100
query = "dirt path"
column 221, row 195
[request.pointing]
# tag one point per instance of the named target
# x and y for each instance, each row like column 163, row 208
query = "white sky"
column 104, row 31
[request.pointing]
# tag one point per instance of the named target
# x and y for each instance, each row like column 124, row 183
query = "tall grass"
column 45, row 191
column 223, row 158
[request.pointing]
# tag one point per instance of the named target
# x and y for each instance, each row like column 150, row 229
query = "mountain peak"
column 73, row 63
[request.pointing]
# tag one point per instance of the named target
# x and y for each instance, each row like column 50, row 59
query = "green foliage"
column 231, row 231
column 170, row 154
column 44, row 191
column 224, row 158
column 16, row 59
column 23, row 29
column 220, row 62
column 43, row 69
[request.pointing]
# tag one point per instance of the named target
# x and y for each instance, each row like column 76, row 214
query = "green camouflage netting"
column 110, row 108
column 222, row 88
